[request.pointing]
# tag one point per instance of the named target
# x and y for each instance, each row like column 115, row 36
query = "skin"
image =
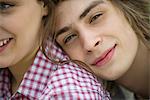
column 20, row 21
column 100, row 29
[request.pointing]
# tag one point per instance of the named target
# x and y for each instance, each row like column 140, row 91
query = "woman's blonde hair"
column 45, row 28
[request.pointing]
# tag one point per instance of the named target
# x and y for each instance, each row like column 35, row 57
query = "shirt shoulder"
column 69, row 81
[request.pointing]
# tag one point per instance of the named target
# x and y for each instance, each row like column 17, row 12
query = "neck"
column 136, row 79
column 19, row 69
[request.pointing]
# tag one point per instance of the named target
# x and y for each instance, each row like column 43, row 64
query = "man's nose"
column 90, row 40
column 94, row 45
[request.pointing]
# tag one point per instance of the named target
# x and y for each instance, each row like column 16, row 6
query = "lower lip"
column 106, row 59
column 3, row 47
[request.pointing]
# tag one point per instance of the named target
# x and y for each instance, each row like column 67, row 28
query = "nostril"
column 89, row 51
column 97, row 43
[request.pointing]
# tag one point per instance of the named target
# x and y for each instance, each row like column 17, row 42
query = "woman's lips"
column 105, row 57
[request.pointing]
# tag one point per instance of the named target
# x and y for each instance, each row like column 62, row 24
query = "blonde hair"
column 137, row 13
column 46, row 22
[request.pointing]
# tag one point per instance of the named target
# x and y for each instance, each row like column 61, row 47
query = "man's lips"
column 104, row 57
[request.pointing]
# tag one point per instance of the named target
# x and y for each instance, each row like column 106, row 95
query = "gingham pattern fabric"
column 47, row 81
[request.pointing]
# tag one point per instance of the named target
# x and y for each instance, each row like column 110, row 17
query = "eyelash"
column 95, row 17
column 4, row 6
column 68, row 38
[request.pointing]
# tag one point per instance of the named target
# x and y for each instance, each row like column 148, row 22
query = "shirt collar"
column 5, row 86
column 36, row 78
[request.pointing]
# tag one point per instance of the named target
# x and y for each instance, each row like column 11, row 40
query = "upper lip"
column 5, row 35
column 5, row 38
column 103, row 55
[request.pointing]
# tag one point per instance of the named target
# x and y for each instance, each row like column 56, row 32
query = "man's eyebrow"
column 64, row 29
column 89, row 8
column 86, row 11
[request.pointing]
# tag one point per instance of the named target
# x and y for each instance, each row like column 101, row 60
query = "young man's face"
column 20, row 21
column 97, row 33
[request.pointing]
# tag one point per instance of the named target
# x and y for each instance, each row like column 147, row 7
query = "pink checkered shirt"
column 47, row 81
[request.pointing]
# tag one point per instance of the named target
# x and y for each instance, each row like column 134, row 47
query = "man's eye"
column 4, row 6
column 69, row 38
column 95, row 17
